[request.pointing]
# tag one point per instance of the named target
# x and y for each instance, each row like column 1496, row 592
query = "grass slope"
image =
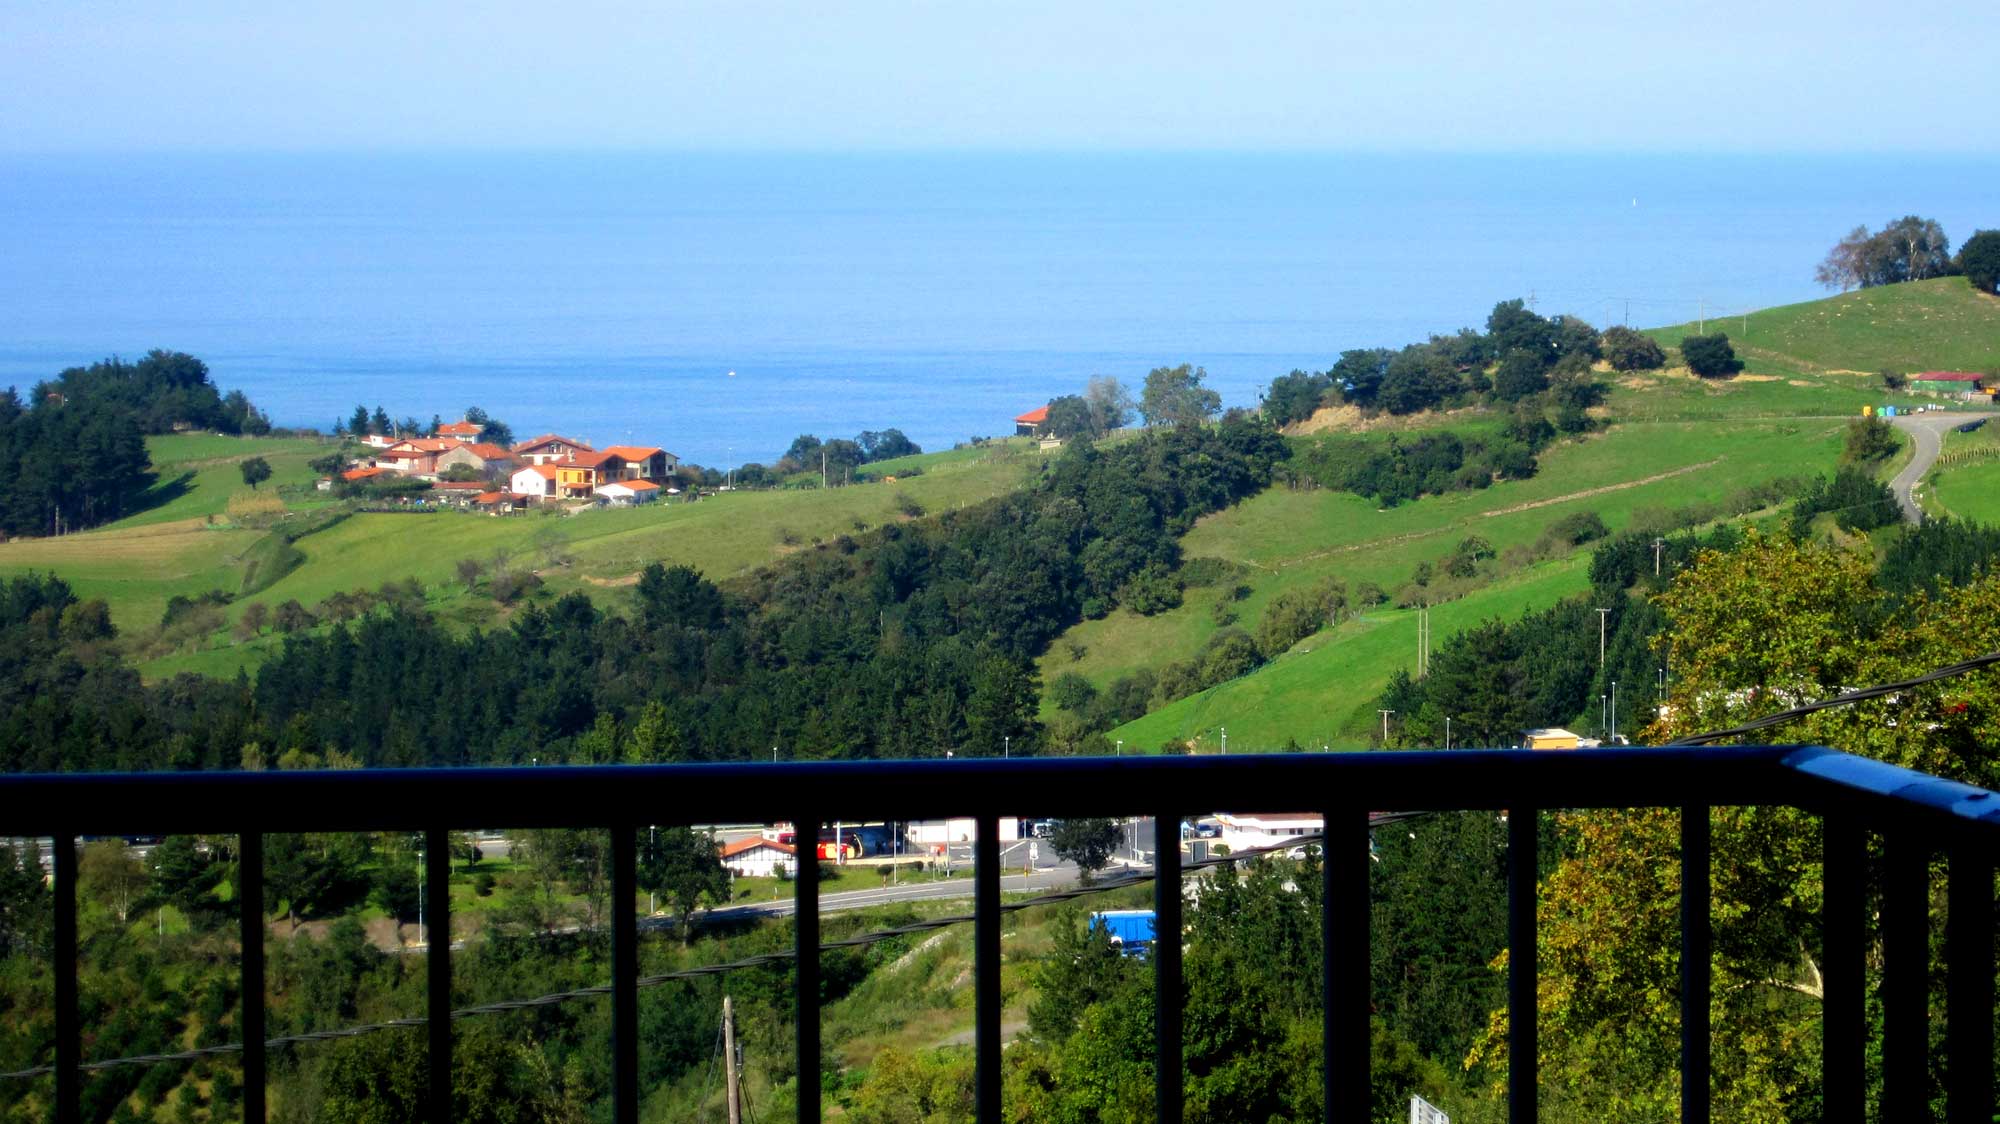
column 1322, row 692
column 1942, row 324
column 1286, row 539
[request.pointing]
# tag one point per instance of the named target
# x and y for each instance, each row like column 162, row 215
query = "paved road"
column 1927, row 432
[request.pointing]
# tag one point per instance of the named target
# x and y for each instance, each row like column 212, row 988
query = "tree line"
column 73, row 455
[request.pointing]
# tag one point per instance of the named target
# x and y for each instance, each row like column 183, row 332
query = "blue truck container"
column 1131, row 930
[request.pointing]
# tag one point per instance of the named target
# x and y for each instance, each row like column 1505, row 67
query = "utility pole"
column 1447, row 731
column 1385, row 726
column 1659, row 544
column 822, row 466
column 1701, row 316
column 1225, row 739
column 1614, row 711
column 734, row 1096
column 1628, row 312
column 1603, row 715
column 1603, row 615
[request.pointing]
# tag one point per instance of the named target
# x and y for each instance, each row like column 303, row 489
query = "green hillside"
column 1942, row 324
column 1285, row 539
column 192, row 543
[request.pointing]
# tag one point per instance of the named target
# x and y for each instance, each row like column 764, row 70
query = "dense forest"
column 73, row 455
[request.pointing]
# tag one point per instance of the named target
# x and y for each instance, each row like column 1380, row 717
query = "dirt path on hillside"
column 1608, row 488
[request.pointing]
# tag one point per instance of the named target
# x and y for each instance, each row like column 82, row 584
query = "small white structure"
column 1248, row 832
column 964, row 829
column 758, row 857
column 536, row 480
column 624, row 493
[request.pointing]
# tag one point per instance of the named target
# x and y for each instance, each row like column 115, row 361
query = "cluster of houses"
column 547, row 469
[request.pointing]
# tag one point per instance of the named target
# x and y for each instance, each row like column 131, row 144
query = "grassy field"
column 1970, row 492
column 1287, row 539
column 192, row 543
column 1923, row 325
column 1321, row 694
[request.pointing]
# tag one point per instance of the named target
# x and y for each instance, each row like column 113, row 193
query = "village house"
column 643, row 462
column 549, row 447
column 492, row 462
column 462, row 430
column 535, row 481
column 1026, row 424
column 758, row 857
column 416, row 457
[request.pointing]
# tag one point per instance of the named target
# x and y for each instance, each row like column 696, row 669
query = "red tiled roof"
column 360, row 473
column 589, row 459
column 634, row 452
column 489, row 452
column 1946, row 376
column 755, row 841
column 637, row 485
column 429, row 444
column 1034, row 417
column 546, row 438
column 494, row 497
column 460, row 429
column 545, row 471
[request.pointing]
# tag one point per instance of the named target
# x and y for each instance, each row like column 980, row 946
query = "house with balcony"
column 549, row 447
column 462, row 430
column 643, row 462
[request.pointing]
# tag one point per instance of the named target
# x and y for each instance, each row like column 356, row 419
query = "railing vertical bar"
column 624, row 975
column 1167, row 990
column 805, row 967
column 437, row 968
column 1905, row 978
column 69, row 1031
column 1344, row 905
column 986, row 965
column 1696, row 939
column 250, row 1020
column 1843, row 1077
column 1523, row 967
column 1969, row 980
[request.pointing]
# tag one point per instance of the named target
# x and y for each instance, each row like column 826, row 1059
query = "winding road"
column 1927, row 432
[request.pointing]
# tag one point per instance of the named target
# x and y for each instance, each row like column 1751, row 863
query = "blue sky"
column 1768, row 75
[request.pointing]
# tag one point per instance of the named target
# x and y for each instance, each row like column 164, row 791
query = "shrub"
column 1298, row 613
column 1199, row 573
column 1577, row 528
column 469, row 570
column 1710, row 356
column 1151, row 590
column 909, row 507
column 1868, row 439
column 511, row 587
column 1071, row 691
column 1628, row 350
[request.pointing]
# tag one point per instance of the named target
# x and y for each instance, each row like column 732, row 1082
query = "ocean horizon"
column 719, row 304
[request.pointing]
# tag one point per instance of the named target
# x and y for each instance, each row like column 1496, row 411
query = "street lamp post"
column 1447, row 731
column 1614, row 712
column 1121, row 747
column 1225, row 739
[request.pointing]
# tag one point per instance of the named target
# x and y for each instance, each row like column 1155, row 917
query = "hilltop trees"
column 1979, row 260
column 1908, row 249
column 1175, row 395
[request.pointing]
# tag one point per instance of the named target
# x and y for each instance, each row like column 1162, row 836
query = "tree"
column 1907, row 249
column 1294, row 397
column 24, row 900
column 379, row 423
column 111, row 875
column 1069, row 416
column 684, row 867
column 1979, row 260
column 1089, row 843
column 1176, row 396
column 1520, row 375
column 1628, row 350
column 1868, row 439
column 357, row 424
column 492, row 430
column 1110, row 404
column 1710, row 356
column 887, row 444
column 255, row 616
column 255, row 471
column 1512, row 326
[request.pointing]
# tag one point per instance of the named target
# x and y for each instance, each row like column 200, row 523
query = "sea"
column 719, row 304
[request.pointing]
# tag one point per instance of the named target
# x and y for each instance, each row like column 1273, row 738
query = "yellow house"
column 574, row 479
column 1551, row 738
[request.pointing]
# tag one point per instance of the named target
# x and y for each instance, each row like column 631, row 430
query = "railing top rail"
column 1890, row 792
column 407, row 799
